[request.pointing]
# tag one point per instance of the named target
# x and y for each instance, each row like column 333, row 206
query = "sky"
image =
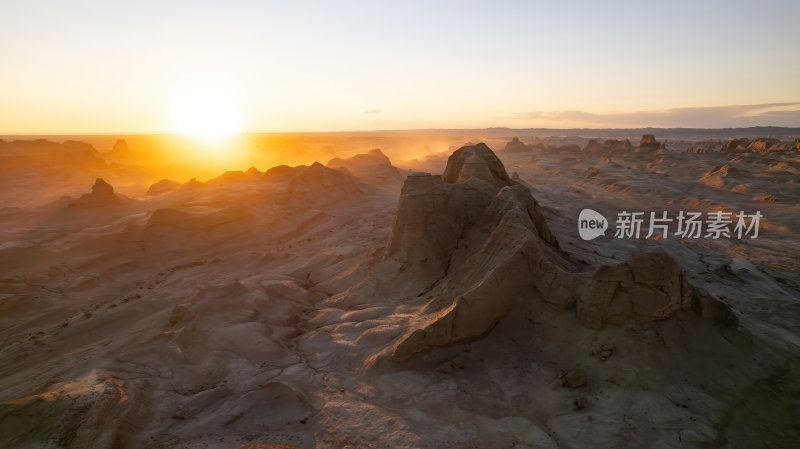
column 161, row 66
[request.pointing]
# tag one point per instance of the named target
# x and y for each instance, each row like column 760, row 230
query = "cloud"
column 765, row 114
column 373, row 111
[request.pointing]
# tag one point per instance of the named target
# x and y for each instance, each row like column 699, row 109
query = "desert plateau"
column 434, row 224
column 367, row 301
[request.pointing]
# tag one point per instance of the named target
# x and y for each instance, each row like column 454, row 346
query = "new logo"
column 591, row 224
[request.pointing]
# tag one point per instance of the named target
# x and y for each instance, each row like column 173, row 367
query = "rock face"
column 435, row 218
column 473, row 245
column 475, row 161
column 649, row 144
column 102, row 195
column 647, row 287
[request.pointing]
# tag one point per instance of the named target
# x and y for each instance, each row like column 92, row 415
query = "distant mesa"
column 373, row 167
column 762, row 145
column 516, row 146
column 612, row 145
column 372, row 158
column 120, row 146
column 102, row 195
column 120, row 152
column 232, row 175
column 706, row 146
column 649, row 144
column 311, row 184
column 162, row 187
column 48, row 156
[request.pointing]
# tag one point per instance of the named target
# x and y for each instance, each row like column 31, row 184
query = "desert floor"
column 357, row 302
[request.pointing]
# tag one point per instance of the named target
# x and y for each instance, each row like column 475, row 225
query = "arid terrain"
column 433, row 293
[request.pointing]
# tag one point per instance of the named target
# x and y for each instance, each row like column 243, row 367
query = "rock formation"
column 120, row 147
column 475, row 161
column 761, row 145
column 163, row 186
column 310, row 184
column 647, row 287
column 120, row 152
column 516, row 146
column 612, row 145
column 374, row 167
column 46, row 156
column 723, row 176
column 649, row 144
column 474, row 245
column 102, row 195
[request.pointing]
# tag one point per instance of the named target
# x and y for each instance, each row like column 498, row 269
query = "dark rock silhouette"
column 120, row 146
column 102, row 195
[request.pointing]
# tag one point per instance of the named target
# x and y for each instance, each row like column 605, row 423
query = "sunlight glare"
column 206, row 112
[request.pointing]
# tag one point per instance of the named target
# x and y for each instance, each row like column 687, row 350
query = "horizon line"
column 167, row 133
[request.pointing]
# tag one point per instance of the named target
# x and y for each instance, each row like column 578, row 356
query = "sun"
column 205, row 112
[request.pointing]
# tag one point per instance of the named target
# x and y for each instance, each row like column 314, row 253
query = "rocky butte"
column 102, row 195
column 471, row 245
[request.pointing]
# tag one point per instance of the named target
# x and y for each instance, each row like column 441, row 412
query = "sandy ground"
column 256, row 306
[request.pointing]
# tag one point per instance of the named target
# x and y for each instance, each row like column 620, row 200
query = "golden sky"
column 148, row 66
